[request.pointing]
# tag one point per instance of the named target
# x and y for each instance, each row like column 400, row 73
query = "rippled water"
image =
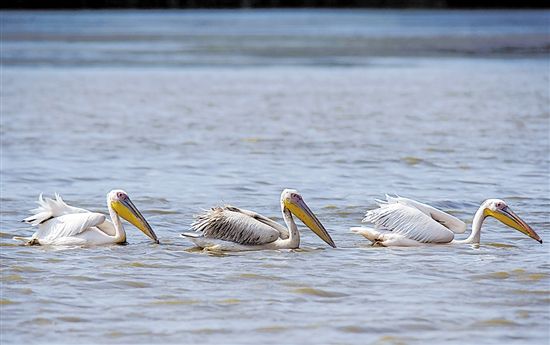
column 450, row 130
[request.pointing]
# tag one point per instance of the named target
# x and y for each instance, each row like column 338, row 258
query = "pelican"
column 405, row 222
column 230, row 228
column 61, row 224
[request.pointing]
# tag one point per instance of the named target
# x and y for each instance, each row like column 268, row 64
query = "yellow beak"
column 508, row 217
column 126, row 209
column 300, row 210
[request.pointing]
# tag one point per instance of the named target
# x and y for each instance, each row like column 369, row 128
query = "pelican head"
column 120, row 202
column 498, row 209
column 292, row 201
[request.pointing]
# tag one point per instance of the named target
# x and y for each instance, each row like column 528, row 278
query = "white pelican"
column 61, row 224
column 232, row 229
column 405, row 222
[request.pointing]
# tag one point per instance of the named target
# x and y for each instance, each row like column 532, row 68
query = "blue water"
column 190, row 109
column 251, row 38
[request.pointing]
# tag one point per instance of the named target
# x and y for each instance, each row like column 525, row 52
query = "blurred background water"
column 190, row 109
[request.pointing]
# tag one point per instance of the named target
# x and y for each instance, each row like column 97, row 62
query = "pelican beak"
column 127, row 210
column 302, row 211
column 508, row 217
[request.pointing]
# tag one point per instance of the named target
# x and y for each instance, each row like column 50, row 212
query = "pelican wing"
column 283, row 232
column 232, row 224
column 68, row 225
column 450, row 222
column 50, row 208
column 408, row 221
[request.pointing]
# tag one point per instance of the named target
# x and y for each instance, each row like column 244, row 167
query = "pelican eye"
column 121, row 195
column 295, row 196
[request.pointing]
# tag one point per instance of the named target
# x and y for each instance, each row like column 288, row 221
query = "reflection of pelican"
column 61, row 224
column 233, row 229
column 405, row 222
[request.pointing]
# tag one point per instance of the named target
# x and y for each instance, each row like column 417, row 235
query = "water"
column 193, row 109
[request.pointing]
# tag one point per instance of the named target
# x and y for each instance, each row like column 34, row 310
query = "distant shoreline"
column 271, row 4
column 267, row 38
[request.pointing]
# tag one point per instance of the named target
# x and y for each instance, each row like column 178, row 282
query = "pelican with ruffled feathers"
column 61, row 224
column 230, row 228
column 405, row 222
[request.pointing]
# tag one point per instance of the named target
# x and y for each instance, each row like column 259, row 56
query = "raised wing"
column 50, row 208
column 67, row 226
column 230, row 223
column 450, row 222
column 409, row 222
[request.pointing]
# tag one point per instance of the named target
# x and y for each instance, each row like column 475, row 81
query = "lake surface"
column 187, row 110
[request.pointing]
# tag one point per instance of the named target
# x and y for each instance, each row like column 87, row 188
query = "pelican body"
column 405, row 222
column 230, row 228
column 61, row 224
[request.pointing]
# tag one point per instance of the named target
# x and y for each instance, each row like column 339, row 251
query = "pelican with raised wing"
column 405, row 222
column 61, row 224
column 233, row 229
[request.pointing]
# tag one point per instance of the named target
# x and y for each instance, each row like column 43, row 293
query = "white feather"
column 402, row 221
column 450, row 222
column 48, row 208
column 385, row 238
column 69, row 225
column 61, row 224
